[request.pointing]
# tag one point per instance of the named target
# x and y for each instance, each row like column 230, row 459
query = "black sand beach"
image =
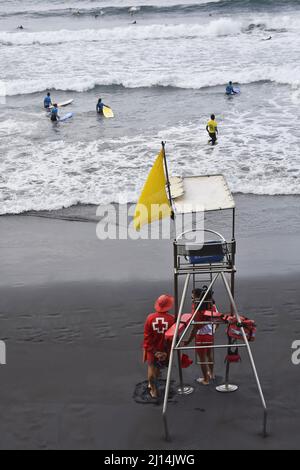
column 72, row 310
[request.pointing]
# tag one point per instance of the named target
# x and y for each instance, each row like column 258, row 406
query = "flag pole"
column 168, row 179
column 176, row 294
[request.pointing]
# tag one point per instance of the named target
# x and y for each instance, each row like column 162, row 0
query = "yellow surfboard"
column 107, row 112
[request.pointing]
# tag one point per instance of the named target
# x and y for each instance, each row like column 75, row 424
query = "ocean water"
column 162, row 65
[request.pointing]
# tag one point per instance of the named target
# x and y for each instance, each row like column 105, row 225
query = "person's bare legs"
column 205, row 369
column 211, row 367
column 153, row 374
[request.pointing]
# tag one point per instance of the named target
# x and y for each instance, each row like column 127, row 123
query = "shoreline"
column 36, row 250
column 88, row 211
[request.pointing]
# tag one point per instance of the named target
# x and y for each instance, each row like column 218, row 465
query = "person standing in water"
column 100, row 106
column 54, row 113
column 230, row 90
column 212, row 129
column 47, row 101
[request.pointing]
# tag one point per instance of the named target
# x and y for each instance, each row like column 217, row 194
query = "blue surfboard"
column 66, row 117
column 237, row 91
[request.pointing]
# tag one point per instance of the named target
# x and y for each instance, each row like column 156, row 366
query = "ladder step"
column 205, row 363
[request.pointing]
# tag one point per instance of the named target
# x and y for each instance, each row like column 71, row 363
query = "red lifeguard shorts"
column 204, row 340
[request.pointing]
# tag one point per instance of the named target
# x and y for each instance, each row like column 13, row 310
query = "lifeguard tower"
column 205, row 262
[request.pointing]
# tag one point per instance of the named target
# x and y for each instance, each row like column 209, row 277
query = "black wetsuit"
column 213, row 137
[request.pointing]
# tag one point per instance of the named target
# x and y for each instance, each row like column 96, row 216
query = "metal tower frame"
column 216, row 268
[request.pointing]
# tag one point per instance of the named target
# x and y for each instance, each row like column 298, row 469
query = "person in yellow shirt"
column 212, row 129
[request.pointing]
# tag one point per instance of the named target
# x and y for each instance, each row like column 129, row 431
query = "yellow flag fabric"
column 153, row 203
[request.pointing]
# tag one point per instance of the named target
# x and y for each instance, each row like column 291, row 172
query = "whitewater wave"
column 143, row 56
column 64, row 178
column 281, row 75
column 220, row 27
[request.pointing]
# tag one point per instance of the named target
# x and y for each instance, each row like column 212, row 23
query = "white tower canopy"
column 201, row 193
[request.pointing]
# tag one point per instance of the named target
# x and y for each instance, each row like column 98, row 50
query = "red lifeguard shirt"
column 156, row 326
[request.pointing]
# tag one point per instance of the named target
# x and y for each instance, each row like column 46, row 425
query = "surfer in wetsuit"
column 100, row 106
column 230, row 90
column 54, row 113
column 212, row 129
column 47, row 101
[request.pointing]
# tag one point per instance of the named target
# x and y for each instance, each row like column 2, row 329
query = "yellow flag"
column 153, row 203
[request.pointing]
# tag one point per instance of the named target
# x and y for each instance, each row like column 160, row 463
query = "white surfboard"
column 63, row 104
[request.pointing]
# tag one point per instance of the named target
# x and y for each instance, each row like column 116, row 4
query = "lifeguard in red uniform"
column 156, row 348
column 204, row 335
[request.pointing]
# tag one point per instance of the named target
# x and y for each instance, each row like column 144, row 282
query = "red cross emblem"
column 160, row 325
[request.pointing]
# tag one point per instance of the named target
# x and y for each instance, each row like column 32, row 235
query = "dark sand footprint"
column 103, row 330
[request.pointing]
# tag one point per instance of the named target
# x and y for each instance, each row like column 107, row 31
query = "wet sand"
column 72, row 310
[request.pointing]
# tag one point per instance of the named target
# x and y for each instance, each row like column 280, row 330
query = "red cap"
column 164, row 303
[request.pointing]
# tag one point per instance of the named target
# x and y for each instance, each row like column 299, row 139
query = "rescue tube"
column 213, row 314
column 185, row 319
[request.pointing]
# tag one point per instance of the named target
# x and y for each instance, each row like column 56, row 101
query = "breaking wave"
column 220, row 27
column 283, row 76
